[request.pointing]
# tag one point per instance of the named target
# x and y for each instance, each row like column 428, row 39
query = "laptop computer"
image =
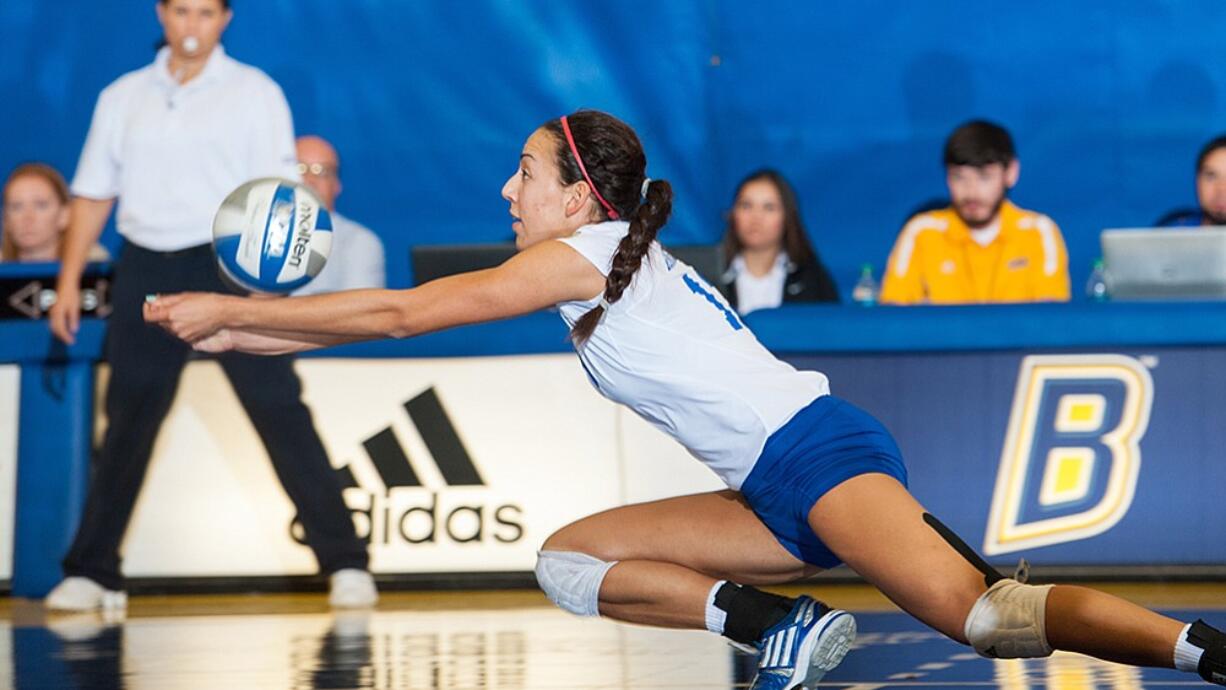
column 1166, row 263
column 431, row 261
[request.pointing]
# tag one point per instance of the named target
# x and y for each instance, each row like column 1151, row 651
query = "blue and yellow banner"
column 1090, row 458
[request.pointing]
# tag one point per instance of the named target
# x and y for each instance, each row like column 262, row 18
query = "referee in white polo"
column 169, row 141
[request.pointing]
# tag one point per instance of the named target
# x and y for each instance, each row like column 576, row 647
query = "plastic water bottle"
column 865, row 292
column 1098, row 287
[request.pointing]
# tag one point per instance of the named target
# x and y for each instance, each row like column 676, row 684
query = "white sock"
column 716, row 617
column 1187, row 655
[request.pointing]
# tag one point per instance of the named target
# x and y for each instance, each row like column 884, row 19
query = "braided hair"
column 616, row 166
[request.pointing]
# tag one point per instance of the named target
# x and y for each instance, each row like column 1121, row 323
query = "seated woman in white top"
column 770, row 259
column 36, row 215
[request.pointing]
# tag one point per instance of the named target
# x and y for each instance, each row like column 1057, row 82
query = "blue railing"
column 792, row 329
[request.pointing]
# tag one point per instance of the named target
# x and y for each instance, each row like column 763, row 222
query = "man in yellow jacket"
column 981, row 248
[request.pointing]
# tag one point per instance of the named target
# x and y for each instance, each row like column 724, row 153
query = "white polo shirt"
column 172, row 152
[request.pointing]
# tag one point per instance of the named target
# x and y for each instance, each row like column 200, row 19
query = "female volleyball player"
column 812, row 480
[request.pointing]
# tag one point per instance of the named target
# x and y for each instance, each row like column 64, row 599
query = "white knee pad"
column 1009, row 621
column 572, row 580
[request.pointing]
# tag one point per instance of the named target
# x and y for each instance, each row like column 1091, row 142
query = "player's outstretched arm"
column 539, row 277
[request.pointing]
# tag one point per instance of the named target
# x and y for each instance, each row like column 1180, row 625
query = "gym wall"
column 429, row 102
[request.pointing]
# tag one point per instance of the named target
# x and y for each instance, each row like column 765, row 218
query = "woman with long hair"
column 36, row 213
column 770, row 259
column 812, row 481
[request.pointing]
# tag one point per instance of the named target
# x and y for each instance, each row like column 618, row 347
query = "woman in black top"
column 770, row 260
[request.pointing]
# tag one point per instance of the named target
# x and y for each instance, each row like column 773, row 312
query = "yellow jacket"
column 935, row 261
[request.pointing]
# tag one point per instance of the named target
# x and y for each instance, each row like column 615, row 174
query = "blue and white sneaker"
column 801, row 648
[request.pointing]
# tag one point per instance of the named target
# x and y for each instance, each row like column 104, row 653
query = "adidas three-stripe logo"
column 391, row 461
column 779, row 648
column 413, row 510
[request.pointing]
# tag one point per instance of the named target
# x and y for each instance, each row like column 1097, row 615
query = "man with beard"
column 1210, row 188
column 981, row 248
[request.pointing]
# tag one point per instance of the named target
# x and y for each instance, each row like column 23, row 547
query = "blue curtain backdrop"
column 429, row 102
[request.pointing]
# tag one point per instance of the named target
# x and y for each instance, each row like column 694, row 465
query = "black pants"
column 146, row 364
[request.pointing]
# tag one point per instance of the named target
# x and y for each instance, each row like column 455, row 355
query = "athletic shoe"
column 1212, row 666
column 83, row 594
column 798, row 650
column 351, row 588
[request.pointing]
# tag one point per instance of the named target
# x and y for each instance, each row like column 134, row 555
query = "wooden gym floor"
column 503, row 640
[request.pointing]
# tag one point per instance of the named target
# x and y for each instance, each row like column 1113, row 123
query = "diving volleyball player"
column 812, row 481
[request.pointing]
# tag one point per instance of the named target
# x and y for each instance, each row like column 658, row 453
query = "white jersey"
column 672, row 350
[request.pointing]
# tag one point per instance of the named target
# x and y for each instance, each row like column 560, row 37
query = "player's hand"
column 189, row 316
column 65, row 315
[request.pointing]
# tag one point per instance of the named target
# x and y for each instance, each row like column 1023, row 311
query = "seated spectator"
column 770, row 259
column 36, row 215
column 1210, row 189
column 356, row 260
column 981, row 248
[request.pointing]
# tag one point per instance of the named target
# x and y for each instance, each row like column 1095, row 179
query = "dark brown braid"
column 615, row 161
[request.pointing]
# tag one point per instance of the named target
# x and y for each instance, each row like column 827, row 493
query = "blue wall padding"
column 429, row 102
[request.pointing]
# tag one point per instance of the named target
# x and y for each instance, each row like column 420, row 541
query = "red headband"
column 570, row 139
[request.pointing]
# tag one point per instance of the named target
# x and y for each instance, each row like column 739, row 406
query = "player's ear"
column 575, row 198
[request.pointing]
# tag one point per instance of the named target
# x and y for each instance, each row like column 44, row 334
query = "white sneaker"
column 352, row 588
column 83, row 594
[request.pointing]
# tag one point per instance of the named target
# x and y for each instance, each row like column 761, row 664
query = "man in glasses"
column 356, row 260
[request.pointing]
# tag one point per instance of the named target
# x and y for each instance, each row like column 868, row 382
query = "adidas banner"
column 448, row 465
column 10, row 390
column 468, row 464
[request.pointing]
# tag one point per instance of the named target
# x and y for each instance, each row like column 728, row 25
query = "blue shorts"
column 822, row 446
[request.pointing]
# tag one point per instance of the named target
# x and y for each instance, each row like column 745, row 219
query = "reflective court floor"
column 503, row 640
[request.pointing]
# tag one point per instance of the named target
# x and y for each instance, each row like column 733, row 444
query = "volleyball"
column 272, row 235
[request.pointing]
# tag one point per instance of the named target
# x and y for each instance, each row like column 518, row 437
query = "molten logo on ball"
column 271, row 235
column 302, row 241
